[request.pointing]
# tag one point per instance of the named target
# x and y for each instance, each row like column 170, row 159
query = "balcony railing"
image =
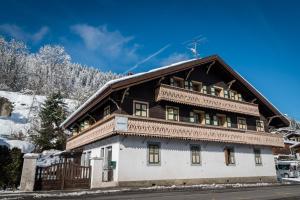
column 183, row 96
column 137, row 126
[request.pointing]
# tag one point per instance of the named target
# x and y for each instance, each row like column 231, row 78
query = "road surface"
column 285, row 192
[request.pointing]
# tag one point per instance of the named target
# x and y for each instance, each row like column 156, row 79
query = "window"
column 257, row 157
column 207, row 119
column 106, row 111
column 176, row 82
column 232, row 95
column 172, row 113
column 226, row 94
column 212, row 91
column 195, row 155
column 140, row 108
column 215, row 120
column 197, row 117
column 153, row 154
column 242, row 123
column 228, row 120
column 188, row 85
column 239, row 97
column 204, row 89
column 260, row 125
column 102, row 153
column 197, row 86
column 87, row 159
column 229, row 156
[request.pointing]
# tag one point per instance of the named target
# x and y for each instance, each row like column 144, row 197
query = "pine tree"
column 52, row 114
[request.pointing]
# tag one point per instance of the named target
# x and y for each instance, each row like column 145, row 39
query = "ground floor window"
column 257, row 157
column 229, row 156
column 153, row 153
column 195, row 155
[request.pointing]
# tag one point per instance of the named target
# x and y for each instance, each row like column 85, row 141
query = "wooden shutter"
column 226, row 156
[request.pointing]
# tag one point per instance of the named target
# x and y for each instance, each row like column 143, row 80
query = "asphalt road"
column 287, row 192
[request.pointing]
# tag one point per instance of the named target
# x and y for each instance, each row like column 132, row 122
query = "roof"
column 135, row 79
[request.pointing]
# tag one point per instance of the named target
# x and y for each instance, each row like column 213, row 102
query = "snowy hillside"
column 25, row 112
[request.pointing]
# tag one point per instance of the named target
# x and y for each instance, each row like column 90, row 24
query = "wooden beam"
column 189, row 73
column 253, row 100
column 229, row 84
column 91, row 117
column 114, row 102
column 124, row 94
column 211, row 64
column 271, row 118
column 160, row 80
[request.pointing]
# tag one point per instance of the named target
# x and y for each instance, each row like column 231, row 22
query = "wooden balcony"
column 183, row 96
column 136, row 126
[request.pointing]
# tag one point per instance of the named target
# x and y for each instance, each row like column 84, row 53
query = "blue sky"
column 259, row 39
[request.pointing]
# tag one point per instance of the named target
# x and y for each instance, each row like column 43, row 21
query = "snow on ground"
column 292, row 179
column 26, row 109
column 24, row 146
column 45, row 194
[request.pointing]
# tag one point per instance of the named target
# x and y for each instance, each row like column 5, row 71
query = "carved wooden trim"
column 151, row 127
column 158, row 128
column 93, row 134
column 179, row 95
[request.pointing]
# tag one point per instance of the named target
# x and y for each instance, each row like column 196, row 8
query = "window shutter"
column 226, row 156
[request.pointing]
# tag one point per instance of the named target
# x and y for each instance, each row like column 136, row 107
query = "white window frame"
column 140, row 102
column 191, row 152
column 238, row 125
column 167, row 113
column 263, row 126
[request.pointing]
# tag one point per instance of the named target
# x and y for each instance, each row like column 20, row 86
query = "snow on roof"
column 109, row 83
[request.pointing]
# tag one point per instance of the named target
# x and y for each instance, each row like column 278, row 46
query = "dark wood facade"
column 210, row 74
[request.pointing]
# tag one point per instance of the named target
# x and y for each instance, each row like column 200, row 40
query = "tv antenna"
column 193, row 44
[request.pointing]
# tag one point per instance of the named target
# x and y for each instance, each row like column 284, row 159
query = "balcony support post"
column 114, row 102
column 229, row 84
column 124, row 94
column 211, row 64
column 189, row 73
column 271, row 118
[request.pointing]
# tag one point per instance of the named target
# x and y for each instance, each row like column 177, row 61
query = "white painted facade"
column 130, row 154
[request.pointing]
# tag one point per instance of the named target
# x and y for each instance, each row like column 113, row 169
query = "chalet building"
column 191, row 122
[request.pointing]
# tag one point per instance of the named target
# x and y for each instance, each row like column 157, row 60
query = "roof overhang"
column 135, row 79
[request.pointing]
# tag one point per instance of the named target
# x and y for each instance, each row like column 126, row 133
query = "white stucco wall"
column 95, row 149
column 176, row 160
column 130, row 154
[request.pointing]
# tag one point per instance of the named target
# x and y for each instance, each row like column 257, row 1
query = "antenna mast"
column 192, row 45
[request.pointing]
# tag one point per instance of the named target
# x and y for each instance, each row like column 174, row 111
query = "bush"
column 11, row 167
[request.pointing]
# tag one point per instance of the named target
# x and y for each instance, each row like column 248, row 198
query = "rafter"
column 124, row 94
column 114, row 102
column 229, row 84
column 271, row 118
column 189, row 73
column 211, row 64
column 160, row 80
column 253, row 100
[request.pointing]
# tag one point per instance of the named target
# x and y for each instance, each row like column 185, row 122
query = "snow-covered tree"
column 52, row 114
column 49, row 70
